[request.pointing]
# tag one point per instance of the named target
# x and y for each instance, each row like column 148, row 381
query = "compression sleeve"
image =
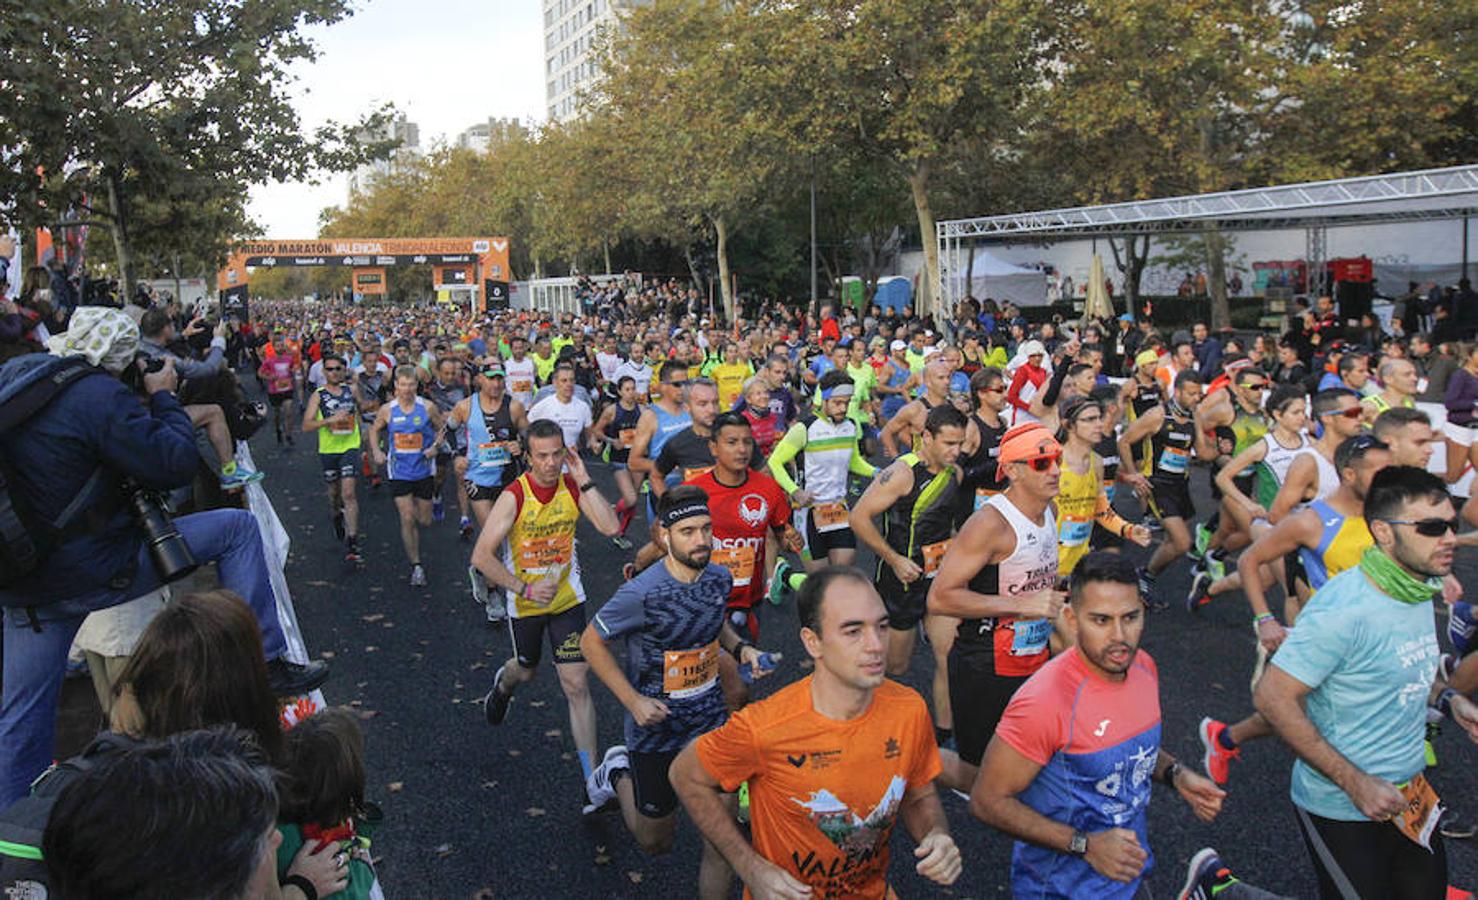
column 858, row 464
column 1055, row 388
column 785, row 451
column 1107, row 518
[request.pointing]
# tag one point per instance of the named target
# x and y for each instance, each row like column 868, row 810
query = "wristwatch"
column 587, row 486
column 1078, row 846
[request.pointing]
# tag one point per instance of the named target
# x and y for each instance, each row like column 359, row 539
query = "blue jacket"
column 65, row 464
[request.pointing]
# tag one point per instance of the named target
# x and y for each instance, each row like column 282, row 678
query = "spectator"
column 70, row 465
column 1208, row 351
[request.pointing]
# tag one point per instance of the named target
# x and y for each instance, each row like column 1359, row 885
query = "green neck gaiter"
column 1396, row 581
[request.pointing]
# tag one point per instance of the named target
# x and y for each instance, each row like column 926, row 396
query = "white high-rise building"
column 570, row 29
column 482, row 135
column 400, row 129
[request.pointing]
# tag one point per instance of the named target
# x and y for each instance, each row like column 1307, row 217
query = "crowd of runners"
column 980, row 485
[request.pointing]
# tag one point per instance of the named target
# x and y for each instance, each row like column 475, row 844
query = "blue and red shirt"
column 1097, row 742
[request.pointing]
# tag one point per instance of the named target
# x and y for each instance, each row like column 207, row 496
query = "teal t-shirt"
column 1370, row 660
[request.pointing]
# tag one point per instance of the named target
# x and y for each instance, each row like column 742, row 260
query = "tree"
column 138, row 110
column 905, row 82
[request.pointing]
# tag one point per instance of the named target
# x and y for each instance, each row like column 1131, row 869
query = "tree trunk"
column 121, row 248
column 969, row 273
column 1131, row 265
column 726, row 291
column 692, row 265
column 1216, row 278
column 606, row 246
column 929, row 284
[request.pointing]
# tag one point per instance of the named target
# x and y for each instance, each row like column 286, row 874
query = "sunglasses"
column 681, row 382
column 998, row 389
column 1429, row 527
column 333, row 368
column 1353, row 412
column 1043, row 463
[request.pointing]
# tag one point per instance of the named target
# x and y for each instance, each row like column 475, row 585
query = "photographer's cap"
column 105, row 336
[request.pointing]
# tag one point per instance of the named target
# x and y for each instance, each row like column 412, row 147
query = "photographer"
column 66, row 468
column 158, row 331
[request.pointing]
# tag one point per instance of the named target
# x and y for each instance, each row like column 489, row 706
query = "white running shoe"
column 599, row 788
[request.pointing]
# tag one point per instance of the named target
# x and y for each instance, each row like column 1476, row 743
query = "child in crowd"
column 322, row 796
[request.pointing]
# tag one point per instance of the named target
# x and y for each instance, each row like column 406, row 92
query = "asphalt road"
column 473, row 810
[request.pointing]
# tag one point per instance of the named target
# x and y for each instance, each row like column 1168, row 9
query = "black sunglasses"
column 333, row 368
column 1429, row 527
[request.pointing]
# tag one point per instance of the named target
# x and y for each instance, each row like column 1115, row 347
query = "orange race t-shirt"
column 824, row 794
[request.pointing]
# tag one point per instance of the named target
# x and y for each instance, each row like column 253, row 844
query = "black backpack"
column 23, row 546
column 22, row 869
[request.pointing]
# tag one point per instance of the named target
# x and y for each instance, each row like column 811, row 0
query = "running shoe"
column 438, row 510
column 1199, row 594
column 1456, row 826
column 339, row 531
column 495, row 703
column 1460, row 627
column 1147, row 589
column 621, row 542
column 1446, row 666
column 1217, row 760
column 1206, row 876
column 240, row 478
column 779, row 586
column 600, row 786
column 479, row 586
column 464, row 527
column 418, row 576
column 1203, row 541
column 290, row 679
column 352, row 554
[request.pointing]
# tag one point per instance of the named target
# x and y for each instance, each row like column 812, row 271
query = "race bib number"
column 1175, row 460
column 1419, row 819
column 546, row 555
column 343, row 430
column 282, row 385
column 1421, row 385
column 738, row 560
column 492, row 455
column 830, row 516
column 521, row 386
column 933, row 557
column 690, row 474
column 625, row 438
column 688, row 673
column 409, row 442
column 1074, row 532
column 1030, row 636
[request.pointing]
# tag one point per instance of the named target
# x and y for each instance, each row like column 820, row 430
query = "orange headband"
column 1027, row 441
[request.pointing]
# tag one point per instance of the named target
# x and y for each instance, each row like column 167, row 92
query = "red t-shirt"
column 741, row 515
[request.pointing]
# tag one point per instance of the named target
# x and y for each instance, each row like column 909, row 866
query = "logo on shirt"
column 891, row 750
column 796, row 761
column 754, row 510
column 850, row 832
column 1102, row 727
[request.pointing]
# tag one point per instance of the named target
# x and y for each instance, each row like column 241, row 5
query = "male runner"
column 493, row 422
column 1409, row 433
column 909, row 422
column 1068, row 771
column 832, row 762
column 983, row 433
column 522, row 376
column 372, row 383
column 413, row 425
column 671, row 621
column 915, row 497
column 1235, row 421
column 1349, row 692
column 1399, row 382
column 830, row 451
column 1329, row 536
column 665, row 417
column 447, row 390
column 999, row 577
column 528, row 548
column 563, row 408
column 333, row 412
column 1173, row 431
column 281, row 372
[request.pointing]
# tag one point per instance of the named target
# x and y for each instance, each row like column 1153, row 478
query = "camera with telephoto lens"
column 167, row 547
column 143, row 364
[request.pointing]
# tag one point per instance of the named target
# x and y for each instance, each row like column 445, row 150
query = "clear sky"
column 447, row 64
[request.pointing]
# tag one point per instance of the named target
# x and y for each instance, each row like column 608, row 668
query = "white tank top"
column 1032, row 565
column 1328, row 474
column 1279, row 458
column 520, row 380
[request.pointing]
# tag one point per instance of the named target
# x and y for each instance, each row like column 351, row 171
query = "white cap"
column 898, row 345
column 1031, row 348
column 930, row 351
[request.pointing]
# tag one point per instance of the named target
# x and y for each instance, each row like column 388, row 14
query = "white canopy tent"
column 1450, row 193
column 993, row 277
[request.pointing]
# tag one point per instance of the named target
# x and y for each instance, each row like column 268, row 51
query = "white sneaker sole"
column 1193, row 871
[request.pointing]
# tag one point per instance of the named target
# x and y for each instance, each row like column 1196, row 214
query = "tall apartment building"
column 570, row 29
column 400, row 129
column 480, row 136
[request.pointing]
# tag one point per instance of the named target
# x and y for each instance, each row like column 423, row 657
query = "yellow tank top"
column 541, row 545
column 1077, row 499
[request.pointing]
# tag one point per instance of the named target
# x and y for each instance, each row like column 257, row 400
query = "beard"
column 695, row 560
column 1426, row 568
